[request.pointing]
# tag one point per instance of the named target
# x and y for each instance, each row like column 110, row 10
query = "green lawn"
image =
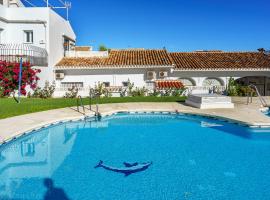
column 9, row 108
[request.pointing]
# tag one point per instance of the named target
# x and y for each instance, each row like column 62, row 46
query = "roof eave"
column 112, row 67
column 223, row 69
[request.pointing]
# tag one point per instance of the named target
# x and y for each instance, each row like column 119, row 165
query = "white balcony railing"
column 37, row 56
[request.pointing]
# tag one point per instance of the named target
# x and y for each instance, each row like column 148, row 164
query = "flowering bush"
column 46, row 92
column 72, row 92
column 100, row 90
column 9, row 77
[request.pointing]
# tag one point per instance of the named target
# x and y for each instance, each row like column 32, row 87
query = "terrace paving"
column 242, row 113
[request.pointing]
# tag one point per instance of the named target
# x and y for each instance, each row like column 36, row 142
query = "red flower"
column 9, row 77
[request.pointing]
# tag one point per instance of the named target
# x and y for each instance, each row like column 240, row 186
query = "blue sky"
column 178, row 25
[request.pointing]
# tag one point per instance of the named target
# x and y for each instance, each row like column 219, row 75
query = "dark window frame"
column 29, row 36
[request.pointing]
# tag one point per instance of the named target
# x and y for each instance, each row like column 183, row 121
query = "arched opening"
column 187, row 82
column 261, row 82
column 213, row 82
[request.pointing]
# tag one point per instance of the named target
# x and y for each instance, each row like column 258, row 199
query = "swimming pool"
column 192, row 157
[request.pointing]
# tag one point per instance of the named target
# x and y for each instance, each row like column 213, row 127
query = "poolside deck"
column 242, row 113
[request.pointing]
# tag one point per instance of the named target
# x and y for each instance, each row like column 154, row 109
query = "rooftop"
column 220, row 60
column 121, row 59
column 198, row 60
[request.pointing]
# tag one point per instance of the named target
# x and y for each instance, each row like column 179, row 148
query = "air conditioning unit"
column 151, row 75
column 59, row 75
column 163, row 74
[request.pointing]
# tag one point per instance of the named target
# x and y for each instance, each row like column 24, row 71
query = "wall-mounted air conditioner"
column 59, row 75
column 163, row 74
column 151, row 75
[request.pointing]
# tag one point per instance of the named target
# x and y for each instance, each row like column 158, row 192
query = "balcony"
column 37, row 56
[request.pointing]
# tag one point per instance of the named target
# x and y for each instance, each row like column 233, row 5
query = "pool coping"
column 47, row 124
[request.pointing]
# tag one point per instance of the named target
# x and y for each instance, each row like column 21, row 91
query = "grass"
column 9, row 108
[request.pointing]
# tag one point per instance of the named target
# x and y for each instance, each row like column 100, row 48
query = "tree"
column 262, row 50
column 9, row 78
column 102, row 48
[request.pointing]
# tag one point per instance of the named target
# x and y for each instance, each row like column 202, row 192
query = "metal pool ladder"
column 80, row 104
column 90, row 103
column 249, row 96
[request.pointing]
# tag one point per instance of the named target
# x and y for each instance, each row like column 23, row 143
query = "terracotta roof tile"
column 212, row 60
column 82, row 48
column 121, row 58
column 220, row 60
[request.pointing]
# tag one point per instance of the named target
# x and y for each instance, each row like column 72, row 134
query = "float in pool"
column 187, row 157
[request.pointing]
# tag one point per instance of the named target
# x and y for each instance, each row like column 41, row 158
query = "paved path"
column 15, row 126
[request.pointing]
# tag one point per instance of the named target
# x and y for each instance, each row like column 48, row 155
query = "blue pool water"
column 193, row 158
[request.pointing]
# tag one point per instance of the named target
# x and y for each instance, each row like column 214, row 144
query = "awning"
column 169, row 84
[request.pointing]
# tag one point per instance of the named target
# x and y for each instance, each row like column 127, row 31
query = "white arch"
column 213, row 81
column 188, row 81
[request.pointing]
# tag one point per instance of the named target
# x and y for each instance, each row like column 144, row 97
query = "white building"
column 199, row 71
column 29, row 29
column 39, row 31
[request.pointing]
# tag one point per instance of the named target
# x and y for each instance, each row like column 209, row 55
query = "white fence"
column 205, row 89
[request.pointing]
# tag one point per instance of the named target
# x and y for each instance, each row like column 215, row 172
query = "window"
column 28, row 37
column 72, row 84
column 125, row 83
column 106, row 84
column 66, row 44
column 150, row 84
column 27, row 149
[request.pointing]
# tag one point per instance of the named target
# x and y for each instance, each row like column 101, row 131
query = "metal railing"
column 80, row 104
column 37, row 56
column 250, row 94
column 92, row 95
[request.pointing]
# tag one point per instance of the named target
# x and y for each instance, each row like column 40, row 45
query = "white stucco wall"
column 48, row 31
column 90, row 77
column 116, row 77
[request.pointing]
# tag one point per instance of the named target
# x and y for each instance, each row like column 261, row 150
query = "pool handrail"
column 249, row 96
column 97, row 101
column 80, row 104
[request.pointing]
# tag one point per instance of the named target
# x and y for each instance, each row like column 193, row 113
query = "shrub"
column 46, row 92
column 72, row 92
column 9, row 78
column 235, row 89
column 100, row 90
column 130, row 88
column 166, row 92
column 139, row 92
column 155, row 93
column 177, row 92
